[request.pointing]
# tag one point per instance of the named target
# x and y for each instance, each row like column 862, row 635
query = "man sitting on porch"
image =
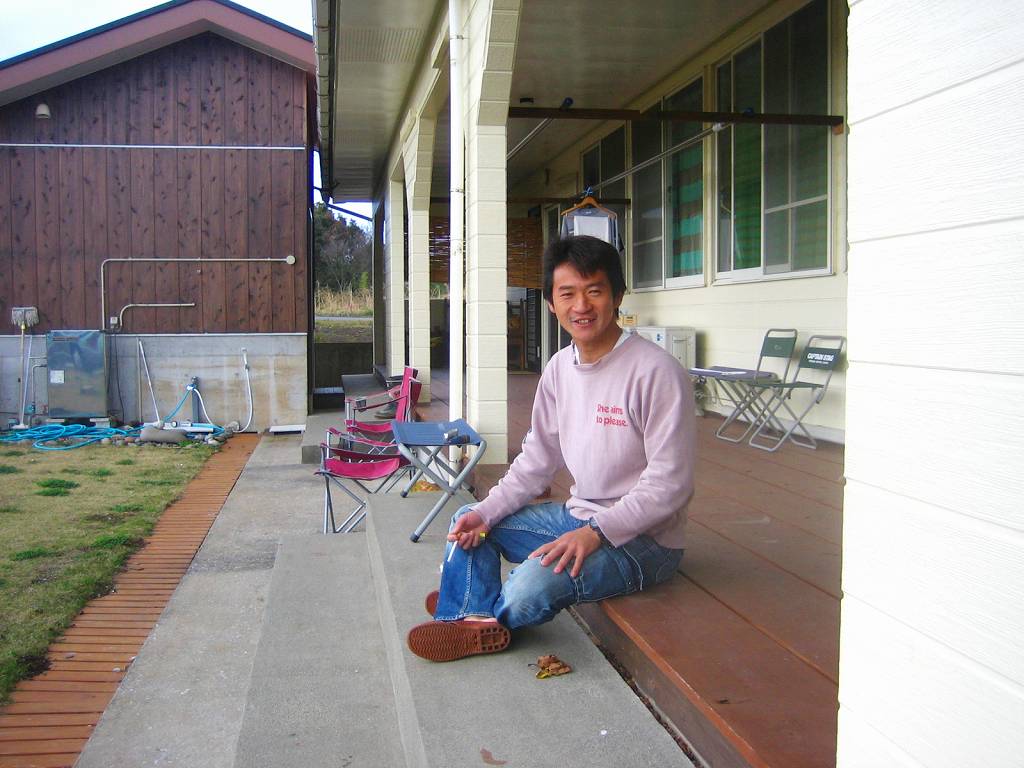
column 617, row 411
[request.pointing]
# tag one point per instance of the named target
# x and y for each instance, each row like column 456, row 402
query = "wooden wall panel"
column 72, row 238
column 300, row 247
column 282, row 179
column 118, row 274
column 211, row 164
column 211, row 132
column 142, row 241
column 165, row 196
column 235, row 176
column 63, row 211
column 187, row 91
column 48, row 237
column 140, row 131
column 164, row 107
column 94, row 245
column 95, row 103
column 23, row 226
column 236, row 240
column 190, row 200
column 259, row 224
column 7, row 294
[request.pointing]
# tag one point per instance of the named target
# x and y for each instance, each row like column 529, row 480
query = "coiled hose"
column 43, row 435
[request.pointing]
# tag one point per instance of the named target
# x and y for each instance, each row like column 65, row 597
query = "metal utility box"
column 77, row 367
column 681, row 343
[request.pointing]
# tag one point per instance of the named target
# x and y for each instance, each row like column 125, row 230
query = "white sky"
column 25, row 26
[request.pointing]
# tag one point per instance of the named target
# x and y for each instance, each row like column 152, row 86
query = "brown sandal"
column 450, row 640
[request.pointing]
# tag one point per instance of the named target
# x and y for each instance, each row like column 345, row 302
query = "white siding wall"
column 731, row 319
column 932, row 666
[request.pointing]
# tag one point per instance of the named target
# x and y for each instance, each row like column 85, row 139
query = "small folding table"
column 423, row 443
column 744, row 387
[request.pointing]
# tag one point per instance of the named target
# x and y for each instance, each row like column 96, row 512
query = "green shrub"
column 7, row 469
column 54, row 482
column 127, row 508
column 115, row 540
column 53, row 492
column 30, row 554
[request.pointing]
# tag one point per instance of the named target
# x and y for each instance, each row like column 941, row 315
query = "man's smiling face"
column 585, row 307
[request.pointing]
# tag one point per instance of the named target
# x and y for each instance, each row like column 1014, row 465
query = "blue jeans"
column 471, row 580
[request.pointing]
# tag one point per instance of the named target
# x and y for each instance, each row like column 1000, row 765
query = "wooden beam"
column 673, row 115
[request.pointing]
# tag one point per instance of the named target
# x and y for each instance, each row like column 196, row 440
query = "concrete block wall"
column 277, row 371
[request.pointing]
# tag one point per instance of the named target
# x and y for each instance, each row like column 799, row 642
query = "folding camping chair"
column 354, row 405
column 813, row 374
column 422, row 444
column 745, row 386
column 359, row 432
column 338, row 464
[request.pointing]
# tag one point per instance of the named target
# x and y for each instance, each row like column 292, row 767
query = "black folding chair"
column 745, row 387
column 813, row 374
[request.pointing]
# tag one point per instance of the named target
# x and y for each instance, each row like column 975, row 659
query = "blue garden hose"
column 83, row 435
column 51, row 433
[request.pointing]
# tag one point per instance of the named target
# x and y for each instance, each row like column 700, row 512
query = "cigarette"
column 452, row 551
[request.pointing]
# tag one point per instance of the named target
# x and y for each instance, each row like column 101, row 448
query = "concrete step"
column 492, row 708
column 320, row 693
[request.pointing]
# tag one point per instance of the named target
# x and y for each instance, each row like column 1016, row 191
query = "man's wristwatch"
column 597, row 529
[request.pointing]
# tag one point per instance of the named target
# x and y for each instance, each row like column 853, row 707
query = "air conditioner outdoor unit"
column 681, row 343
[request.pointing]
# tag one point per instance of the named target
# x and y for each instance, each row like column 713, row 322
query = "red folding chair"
column 405, row 402
column 354, row 405
column 338, row 465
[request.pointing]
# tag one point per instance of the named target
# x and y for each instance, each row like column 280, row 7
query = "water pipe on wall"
column 120, row 315
column 289, row 259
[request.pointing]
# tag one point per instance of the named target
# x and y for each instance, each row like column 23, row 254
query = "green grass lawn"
column 351, row 331
column 68, row 521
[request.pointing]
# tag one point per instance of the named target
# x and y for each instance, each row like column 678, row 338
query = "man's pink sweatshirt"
column 625, row 429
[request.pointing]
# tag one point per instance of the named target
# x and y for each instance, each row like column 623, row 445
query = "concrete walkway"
column 283, row 647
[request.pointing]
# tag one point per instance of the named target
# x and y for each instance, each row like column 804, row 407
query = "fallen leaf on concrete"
column 487, row 757
column 551, row 666
column 425, row 485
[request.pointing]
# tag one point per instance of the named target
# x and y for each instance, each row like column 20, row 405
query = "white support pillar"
column 417, row 155
column 394, row 276
column 492, row 30
column 486, row 288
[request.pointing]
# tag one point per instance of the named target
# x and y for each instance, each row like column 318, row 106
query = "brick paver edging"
column 52, row 715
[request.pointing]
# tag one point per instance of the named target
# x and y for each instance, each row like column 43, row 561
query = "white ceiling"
column 600, row 53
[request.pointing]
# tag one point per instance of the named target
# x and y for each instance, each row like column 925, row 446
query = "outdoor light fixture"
column 42, row 111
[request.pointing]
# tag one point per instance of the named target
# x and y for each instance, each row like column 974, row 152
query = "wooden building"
column 163, row 159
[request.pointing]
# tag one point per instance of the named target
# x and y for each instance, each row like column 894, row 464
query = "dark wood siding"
column 64, row 210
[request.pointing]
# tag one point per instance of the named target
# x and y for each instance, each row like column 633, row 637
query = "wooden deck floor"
column 740, row 651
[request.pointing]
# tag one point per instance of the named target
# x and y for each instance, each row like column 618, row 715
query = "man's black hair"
column 587, row 255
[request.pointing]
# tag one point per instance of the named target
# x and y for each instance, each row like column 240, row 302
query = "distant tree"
column 342, row 251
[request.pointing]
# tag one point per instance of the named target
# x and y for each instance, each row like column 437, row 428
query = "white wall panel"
column 953, row 578
column 949, row 160
column 955, row 44
column 867, row 748
column 939, row 706
column 948, row 438
column 953, row 296
column 930, row 656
